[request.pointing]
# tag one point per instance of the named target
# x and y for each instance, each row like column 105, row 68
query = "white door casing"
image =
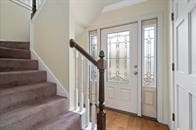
column 120, row 93
column 185, row 64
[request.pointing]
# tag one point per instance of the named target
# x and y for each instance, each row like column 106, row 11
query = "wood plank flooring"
column 120, row 121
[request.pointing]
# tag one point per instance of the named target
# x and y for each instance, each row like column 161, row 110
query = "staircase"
column 27, row 100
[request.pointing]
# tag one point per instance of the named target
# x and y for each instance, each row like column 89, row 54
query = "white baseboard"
column 61, row 91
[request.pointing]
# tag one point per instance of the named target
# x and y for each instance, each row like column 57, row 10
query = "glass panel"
column 149, row 54
column 93, row 52
column 118, row 47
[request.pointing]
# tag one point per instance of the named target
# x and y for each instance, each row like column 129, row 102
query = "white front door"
column 121, row 46
column 185, row 64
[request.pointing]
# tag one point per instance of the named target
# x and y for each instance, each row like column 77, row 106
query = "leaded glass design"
column 118, row 47
column 93, row 52
column 149, row 55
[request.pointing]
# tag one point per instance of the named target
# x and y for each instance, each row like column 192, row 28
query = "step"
column 9, row 97
column 17, row 78
column 15, row 44
column 67, row 121
column 7, row 64
column 29, row 114
column 14, row 53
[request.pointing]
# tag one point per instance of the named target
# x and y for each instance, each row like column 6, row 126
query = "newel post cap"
column 101, row 54
column 72, row 43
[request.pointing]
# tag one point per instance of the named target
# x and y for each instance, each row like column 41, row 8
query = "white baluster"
column 76, row 81
column 93, row 99
column 87, row 102
column 81, row 83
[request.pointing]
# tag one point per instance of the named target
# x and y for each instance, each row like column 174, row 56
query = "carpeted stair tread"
column 7, row 64
column 15, row 44
column 14, row 53
column 34, row 112
column 17, row 95
column 67, row 121
column 16, row 78
column 27, row 100
column 6, row 91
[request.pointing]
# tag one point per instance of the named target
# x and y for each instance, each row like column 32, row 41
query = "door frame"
column 172, row 72
column 139, row 20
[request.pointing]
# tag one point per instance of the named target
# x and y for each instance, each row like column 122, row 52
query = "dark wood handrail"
column 82, row 51
column 101, row 116
column 34, row 8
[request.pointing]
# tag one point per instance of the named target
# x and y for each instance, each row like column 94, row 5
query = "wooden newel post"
column 34, row 8
column 101, row 116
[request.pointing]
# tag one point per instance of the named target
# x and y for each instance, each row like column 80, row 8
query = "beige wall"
column 14, row 22
column 51, row 34
column 146, row 8
column 72, row 79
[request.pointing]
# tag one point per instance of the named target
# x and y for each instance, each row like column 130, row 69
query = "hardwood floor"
column 120, row 121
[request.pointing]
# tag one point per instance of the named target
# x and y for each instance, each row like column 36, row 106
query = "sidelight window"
column 149, row 31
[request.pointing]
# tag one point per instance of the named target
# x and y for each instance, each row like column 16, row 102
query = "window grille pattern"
column 118, row 50
column 149, row 55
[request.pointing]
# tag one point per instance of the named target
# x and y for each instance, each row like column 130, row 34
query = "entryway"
column 131, row 65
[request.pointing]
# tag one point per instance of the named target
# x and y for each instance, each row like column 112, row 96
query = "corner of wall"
column 48, row 47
